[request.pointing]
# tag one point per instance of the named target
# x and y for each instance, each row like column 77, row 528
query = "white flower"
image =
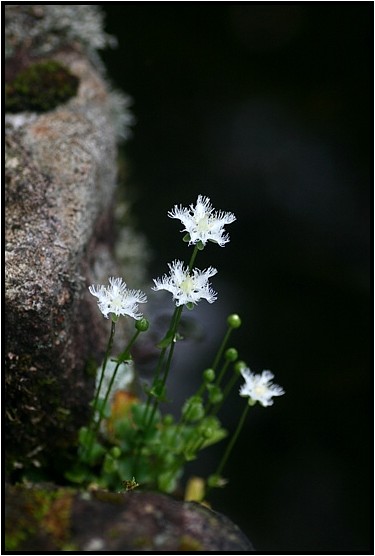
column 202, row 223
column 187, row 287
column 118, row 299
column 259, row 388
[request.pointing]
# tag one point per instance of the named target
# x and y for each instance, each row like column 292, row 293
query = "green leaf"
column 166, row 341
column 110, row 464
column 124, row 357
column 159, row 391
column 78, row 474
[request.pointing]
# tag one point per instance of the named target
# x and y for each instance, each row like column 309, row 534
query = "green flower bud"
column 209, row 375
column 231, row 354
column 234, row 321
column 168, row 419
column 193, row 409
column 239, row 366
column 142, row 324
column 215, row 394
column 196, row 411
column 115, row 452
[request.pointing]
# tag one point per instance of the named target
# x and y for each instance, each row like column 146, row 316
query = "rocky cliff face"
column 60, row 178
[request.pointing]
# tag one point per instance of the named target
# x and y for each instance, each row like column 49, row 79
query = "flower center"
column 260, row 389
column 187, row 285
column 203, row 224
column 116, row 301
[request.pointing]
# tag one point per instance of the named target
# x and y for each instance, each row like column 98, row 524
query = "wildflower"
column 187, row 287
column 118, row 299
column 259, row 388
column 201, row 223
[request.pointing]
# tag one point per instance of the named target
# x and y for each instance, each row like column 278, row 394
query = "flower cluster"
column 258, row 388
column 138, row 440
column 118, row 299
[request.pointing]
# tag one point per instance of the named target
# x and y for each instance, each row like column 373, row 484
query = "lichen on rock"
column 60, row 179
column 44, row 28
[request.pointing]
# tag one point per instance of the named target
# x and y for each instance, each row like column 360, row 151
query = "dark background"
column 267, row 109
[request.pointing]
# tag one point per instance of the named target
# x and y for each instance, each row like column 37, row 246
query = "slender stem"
column 124, row 355
column 226, row 391
column 231, row 443
column 159, row 365
column 221, row 349
column 193, row 257
column 172, row 330
column 104, row 365
column 122, row 358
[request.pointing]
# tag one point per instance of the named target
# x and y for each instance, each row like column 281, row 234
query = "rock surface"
column 48, row 519
column 60, row 178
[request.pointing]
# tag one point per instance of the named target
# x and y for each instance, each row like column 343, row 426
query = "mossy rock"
column 45, row 518
column 40, row 87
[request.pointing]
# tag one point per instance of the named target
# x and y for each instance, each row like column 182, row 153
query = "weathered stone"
column 60, row 177
column 47, row 519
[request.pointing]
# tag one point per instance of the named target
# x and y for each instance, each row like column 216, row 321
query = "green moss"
column 40, row 87
column 35, row 512
column 189, row 544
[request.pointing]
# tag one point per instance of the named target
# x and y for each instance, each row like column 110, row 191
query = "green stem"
column 160, row 364
column 193, row 257
column 231, row 444
column 226, row 391
column 104, row 365
column 221, row 349
column 123, row 357
column 176, row 320
column 172, row 330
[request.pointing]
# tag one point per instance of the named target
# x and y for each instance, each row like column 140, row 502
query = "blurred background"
column 267, row 109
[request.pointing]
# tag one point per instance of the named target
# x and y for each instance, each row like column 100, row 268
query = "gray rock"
column 47, row 519
column 60, row 178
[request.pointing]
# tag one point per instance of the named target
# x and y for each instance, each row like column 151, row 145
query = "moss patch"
column 40, row 87
column 37, row 514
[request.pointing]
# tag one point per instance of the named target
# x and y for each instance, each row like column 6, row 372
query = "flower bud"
column 215, row 394
column 239, row 366
column 142, row 324
column 209, row 375
column 115, row 452
column 231, row 354
column 234, row 321
column 193, row 409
